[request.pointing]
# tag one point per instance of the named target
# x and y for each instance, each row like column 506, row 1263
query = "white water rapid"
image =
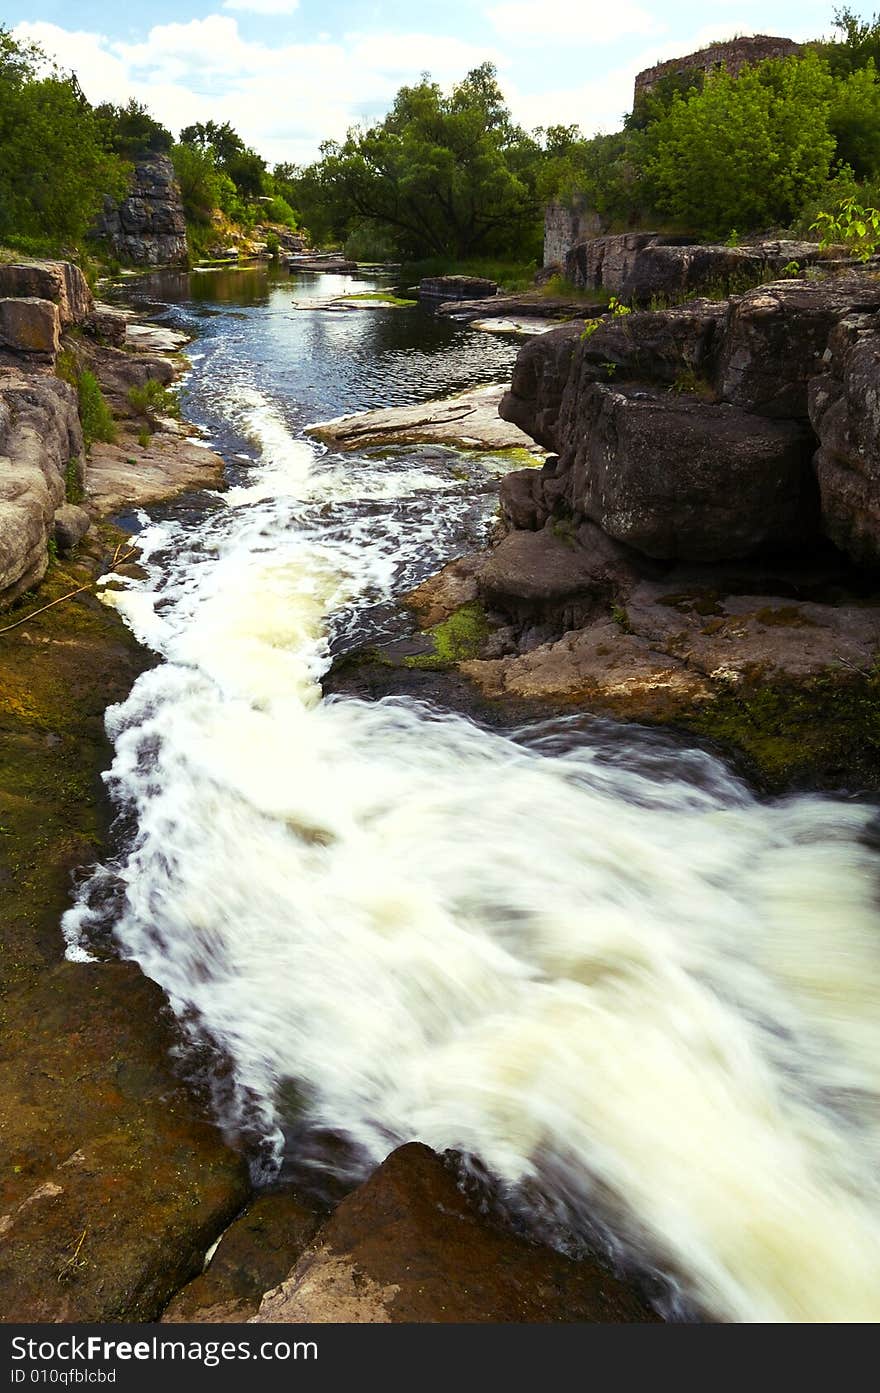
column 632, row 991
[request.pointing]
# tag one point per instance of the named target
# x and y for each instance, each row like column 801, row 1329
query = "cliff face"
column 148, row 228
column 715, row 430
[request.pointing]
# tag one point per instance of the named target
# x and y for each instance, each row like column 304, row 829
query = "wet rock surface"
column 115, row 1178
column 470, row 419
column 255, row 1253
column 409, row 1246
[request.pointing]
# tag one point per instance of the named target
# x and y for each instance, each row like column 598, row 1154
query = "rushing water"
column 643, row 999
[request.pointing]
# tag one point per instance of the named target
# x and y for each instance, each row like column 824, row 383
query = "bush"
column 154, row 399
column 746, row 151
column 94, row 413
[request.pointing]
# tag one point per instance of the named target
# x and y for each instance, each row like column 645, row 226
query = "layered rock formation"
column 148, row 228
column 690, row 433
column 642, row 267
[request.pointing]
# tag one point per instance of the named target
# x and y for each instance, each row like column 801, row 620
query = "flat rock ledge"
column 469, row 421
column 130, row 475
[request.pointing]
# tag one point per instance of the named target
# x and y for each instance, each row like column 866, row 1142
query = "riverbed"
column 587, row 956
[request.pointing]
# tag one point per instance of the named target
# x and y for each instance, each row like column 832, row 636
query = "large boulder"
column 59, row 281
column 641, row 267
column 845, row 413
column 30, row 326
column 408, row 1246
column 676, row 477
column 552, row 372
column 40, row 437
column 538, row 383
column 434, row 290
column 776, row 339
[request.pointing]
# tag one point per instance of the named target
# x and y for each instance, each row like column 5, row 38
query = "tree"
column 854, row 120
column 244, row 166
column 131, row 131
column 441, row 175
column 743, row 152
column 54, row 166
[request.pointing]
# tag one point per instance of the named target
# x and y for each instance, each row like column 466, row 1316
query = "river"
column 642, row 997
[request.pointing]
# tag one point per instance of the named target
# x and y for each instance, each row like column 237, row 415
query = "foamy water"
column 640, row 996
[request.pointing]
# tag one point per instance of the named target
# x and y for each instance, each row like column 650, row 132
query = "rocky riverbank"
column 700, row 549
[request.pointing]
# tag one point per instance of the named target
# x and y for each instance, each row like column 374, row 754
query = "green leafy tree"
column 440, row 175
column 131, row 131
column 54, row 165
column 743, row 152
column 854, row 121
column 231, row 156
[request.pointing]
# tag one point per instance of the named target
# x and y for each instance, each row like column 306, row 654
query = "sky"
column 291, row 73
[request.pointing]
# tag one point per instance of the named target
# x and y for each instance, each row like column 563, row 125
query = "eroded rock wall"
column 148, row 228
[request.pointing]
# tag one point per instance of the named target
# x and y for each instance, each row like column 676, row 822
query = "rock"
column 600, row 668
column 679, row 478
column 776, row 338
column 149, row 227
column 131, row 475
column 256, row 1252
column 606, row 263
column 157, row 338
column 529, row 305
column 524, row 328
column 409, row 1247
column 40, row 435
column 437, row 290
column 665, row 649
column 108, row 325
column 640, row 267
column 539, row 377
column 59, row 281
column 330, row 265
column 555, row 579
column 469, row 420
column 30, row 326
column 116, row 1182
column 844, row 409
column 71, row 525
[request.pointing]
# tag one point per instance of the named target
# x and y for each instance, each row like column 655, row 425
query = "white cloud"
column 560, row 21
column 284, row 100
column 263, row 7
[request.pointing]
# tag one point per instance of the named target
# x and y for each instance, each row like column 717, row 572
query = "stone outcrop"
column 40, row 445
column 30, row 327
column 469, row 420
column 844, row 407
column 677, row 478
column 719, row 464
column 531, row 304
column 409, row 1246
column 59, row 281
column 148, row 228
column 436, row 290
column 644, row 267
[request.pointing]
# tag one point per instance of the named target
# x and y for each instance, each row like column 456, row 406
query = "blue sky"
column 289, row 73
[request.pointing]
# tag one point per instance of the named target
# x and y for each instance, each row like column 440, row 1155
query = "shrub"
column 152, row 399
column 94, row 413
